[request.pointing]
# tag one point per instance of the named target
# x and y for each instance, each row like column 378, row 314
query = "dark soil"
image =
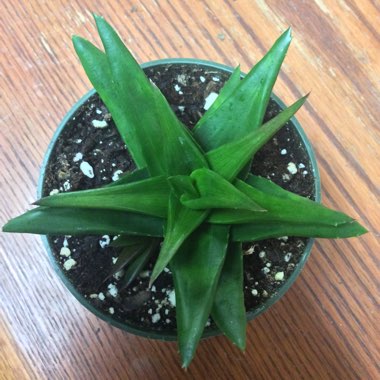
column 186, row 88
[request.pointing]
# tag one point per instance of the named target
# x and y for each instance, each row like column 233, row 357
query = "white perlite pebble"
column 202, row 79
column 262, row 254
column 104, row 241
column 78, row 157
column 65, row 252
column 254, row 292
column 181, row 108
column 111, row 310
column 87, row 169
column 118, row 275
column 99, row 123
column 279, row 276
column 156, row 317
column 65, row 242
column 114, row 260
column 215, row 79
column 101, row 296
column 68, row 264
column 153, row 289
column 116, row 175
column 265, row 270
column 171, row 298
column 112, row 289
column 144, row 274
column 67, row 185
column 98, row 111
column 210, row 100
column 287, row 257
column 94, row 295
column 181, row 78
column 54, row 191
column 177, row 88
column 283, row 152
column 301, row 165
column 292, row 168
column 250, row 250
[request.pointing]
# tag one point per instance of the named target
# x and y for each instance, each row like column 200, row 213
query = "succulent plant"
column 191, row 188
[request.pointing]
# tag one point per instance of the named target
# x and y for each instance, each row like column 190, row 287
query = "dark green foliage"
column 191, row 189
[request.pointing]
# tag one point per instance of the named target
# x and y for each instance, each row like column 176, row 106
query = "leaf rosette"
column 198, row 196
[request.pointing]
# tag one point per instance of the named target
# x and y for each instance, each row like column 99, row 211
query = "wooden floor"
column 327, row 325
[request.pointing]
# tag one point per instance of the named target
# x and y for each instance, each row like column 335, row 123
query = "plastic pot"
column 171, row 335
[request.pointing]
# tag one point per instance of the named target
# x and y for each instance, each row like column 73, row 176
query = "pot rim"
column 170, row 335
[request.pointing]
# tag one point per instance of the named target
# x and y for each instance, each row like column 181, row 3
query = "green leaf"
column 196, row 269
column 126, row 256
column 287, row 214
column 266, row 230
column 228, row 310
column 229, row 159
column 149, row 196
column 138, row 264
column 181, row 184
column 283, row 207
column 216, row 192
column 247, row 103
column 227, row 90
column 69, row 221
column 181, row 222
column 270, row 188
column 153, row 134
column 95, row 64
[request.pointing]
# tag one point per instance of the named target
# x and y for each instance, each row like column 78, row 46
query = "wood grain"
column 327, row 325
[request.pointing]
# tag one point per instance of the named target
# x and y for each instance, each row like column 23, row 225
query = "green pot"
column 165, row 335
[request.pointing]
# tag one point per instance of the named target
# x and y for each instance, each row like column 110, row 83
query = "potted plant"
column 188, row 206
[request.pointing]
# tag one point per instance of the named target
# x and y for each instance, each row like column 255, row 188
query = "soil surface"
column 89, row 153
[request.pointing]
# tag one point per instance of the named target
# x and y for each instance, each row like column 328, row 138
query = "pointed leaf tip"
column 151, row 281
column 77, row 40
column 186, row 362
column 96, row 16
column 286, row 36
column 99, row 20
column 359, row 229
